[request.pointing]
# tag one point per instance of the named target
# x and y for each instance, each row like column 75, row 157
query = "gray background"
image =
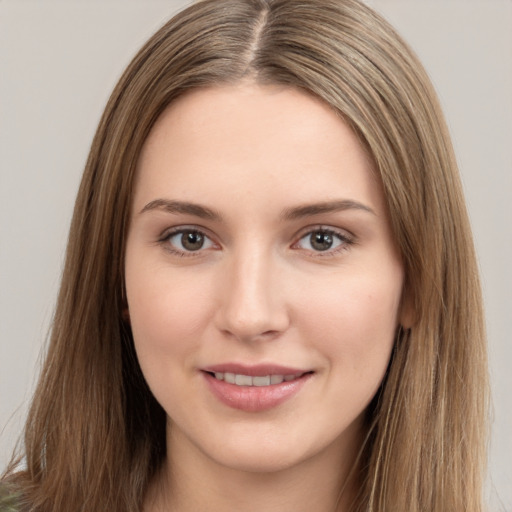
column 58, row 64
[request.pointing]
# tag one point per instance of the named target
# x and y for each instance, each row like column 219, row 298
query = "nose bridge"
column 253, row 300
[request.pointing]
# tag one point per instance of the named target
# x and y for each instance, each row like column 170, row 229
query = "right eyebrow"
column 171, row 206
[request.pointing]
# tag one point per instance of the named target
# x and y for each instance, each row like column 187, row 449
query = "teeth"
column 261, row 380
column 276, row 379
column 243, row 380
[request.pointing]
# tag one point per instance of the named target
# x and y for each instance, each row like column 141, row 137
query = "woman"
column 270, row 296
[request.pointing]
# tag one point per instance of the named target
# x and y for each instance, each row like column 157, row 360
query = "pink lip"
column 254, row 398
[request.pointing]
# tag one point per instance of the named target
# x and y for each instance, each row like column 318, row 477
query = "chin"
column 259, row 460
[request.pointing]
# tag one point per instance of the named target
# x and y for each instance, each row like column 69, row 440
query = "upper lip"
column 253, row 370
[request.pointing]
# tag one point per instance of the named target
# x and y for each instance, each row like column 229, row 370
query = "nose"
column 253, row 305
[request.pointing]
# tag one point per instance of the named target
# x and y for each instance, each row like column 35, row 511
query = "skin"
column 258, row 292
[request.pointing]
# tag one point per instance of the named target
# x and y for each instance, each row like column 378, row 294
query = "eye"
column 186, row 241
column 323, row 240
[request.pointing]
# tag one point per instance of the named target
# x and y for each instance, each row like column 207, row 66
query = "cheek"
column 167, row 314
column 354, row 324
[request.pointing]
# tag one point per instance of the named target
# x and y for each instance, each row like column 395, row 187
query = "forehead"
column 247, row 139
column 250, row 109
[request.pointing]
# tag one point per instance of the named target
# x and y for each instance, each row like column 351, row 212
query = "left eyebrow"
column 309, row 210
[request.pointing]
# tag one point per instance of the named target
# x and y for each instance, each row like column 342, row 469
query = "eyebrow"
column 298, row 212
column 171, row 206
column 310, row 210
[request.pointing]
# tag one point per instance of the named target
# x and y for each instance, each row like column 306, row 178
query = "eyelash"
column 344, row 238
column 345, row 241
column 166, row 237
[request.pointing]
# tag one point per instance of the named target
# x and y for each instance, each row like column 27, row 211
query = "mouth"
column 239, row 379
column 254, row 388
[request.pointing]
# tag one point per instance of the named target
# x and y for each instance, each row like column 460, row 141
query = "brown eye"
column 321, row 240
column 192, row 240
column 324, row 240
column 185, row 241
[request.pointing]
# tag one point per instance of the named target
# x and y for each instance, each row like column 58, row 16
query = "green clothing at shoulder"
column 7, row 500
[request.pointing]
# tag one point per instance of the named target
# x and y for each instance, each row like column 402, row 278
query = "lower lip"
column 254, row 398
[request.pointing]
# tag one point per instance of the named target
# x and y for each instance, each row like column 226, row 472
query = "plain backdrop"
column 59, row 61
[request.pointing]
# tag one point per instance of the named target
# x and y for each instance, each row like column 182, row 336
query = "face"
column 262, row 281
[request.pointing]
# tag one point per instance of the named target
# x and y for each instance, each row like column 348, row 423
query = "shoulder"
column 8, row 500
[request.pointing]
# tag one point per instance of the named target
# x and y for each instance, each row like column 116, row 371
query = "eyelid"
column 168, row 233
column 347, row 238
column 172, row 230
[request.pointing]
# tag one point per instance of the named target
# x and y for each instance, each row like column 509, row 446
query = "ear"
column 407, row 312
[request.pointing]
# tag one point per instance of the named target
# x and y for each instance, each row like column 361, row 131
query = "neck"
column 191, row 481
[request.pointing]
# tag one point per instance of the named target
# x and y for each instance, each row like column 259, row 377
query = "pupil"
column 192, row 240
column 321, row 241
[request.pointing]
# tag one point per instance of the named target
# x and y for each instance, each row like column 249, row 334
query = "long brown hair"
column 95, row 435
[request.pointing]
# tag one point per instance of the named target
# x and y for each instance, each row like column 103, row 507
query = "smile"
column 254, row 388
column 248, row 380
